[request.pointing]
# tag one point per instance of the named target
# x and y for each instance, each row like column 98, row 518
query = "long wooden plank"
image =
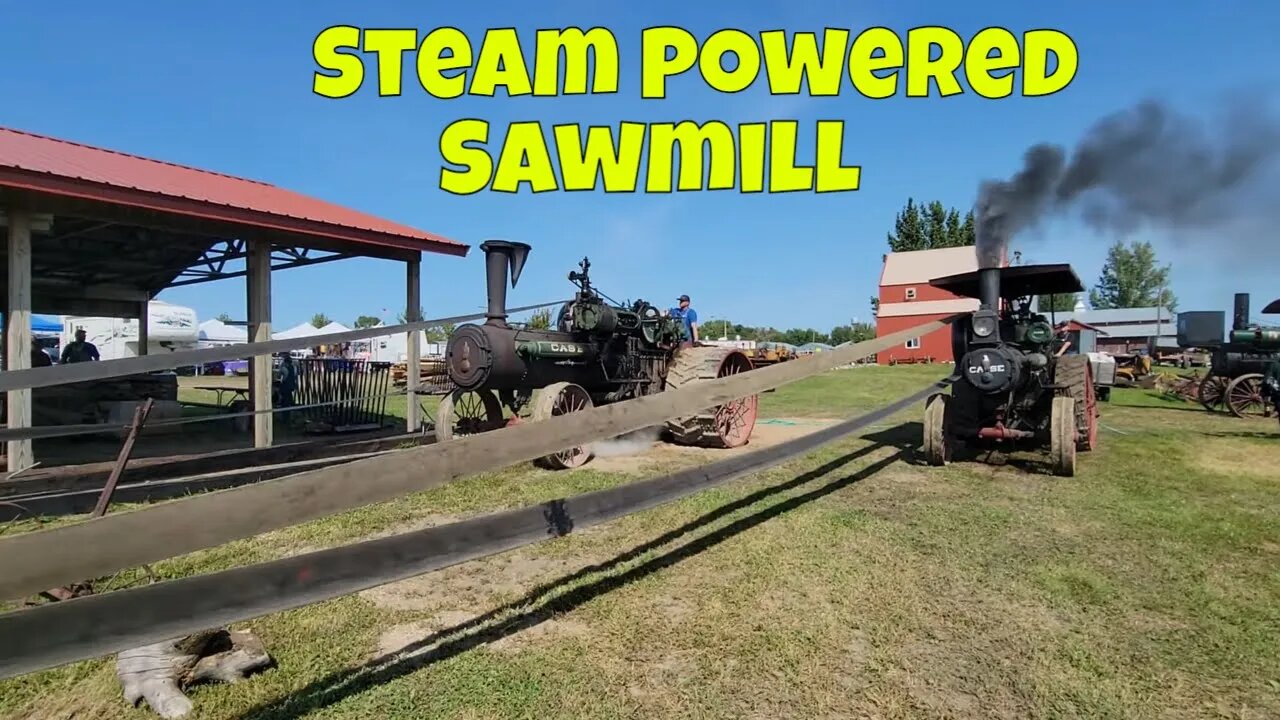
column 35, row 561
column 96, row 625
column 82, row 372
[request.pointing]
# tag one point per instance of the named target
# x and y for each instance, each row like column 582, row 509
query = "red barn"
column 907, row 299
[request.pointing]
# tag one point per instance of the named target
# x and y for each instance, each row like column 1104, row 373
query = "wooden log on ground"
column 157, row 674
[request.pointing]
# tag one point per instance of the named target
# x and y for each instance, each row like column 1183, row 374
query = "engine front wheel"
column 561, row 399
column 937, row 442
column 468, row 412
column 1063, row 436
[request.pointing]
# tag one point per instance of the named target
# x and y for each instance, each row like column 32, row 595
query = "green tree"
column 319, row 320
column 541, row 319
column 935, row 226
column 1057, row 303
column 1132, row 278
column 224, row 318
column 908, row 229
column 367, row 321
column 402, row 317
column 930, row 226
column 853, row 332
column 440, row 333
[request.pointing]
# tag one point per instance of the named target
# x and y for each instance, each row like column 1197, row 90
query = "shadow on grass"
column 542, row 603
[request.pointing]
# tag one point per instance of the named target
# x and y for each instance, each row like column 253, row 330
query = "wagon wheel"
column 1244, row 397
column 725, row 426
column 1063, row 436
column 937, row 442
column 560, row 399
column 467, row 412
column 1211, row 392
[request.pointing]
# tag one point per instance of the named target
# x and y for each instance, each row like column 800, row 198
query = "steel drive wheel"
column 561, row 399
column 467, row 412
column 725, row 426
column 1063, row 436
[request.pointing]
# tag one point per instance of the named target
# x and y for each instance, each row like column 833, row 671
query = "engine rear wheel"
column 1076, row 373
column 937, row 442
column 725, row 426
column 468, row 412
column 1063, row 437
column 561, row 399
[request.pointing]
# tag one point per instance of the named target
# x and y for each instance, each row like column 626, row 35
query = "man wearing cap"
column 689, row 317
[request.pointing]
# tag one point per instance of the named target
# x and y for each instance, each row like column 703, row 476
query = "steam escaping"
column 632, row 443
column 1144, row 165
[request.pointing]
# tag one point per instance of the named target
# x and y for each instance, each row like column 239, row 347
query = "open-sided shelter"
column 97, row 232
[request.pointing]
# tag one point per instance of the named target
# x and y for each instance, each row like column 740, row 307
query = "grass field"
column 850, row 583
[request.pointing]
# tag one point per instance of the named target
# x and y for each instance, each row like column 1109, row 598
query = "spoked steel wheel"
column 1245, row 397
column 561, row 399
column 725, row 426
column 468, row 412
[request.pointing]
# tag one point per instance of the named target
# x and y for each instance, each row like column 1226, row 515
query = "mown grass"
column 852, row 582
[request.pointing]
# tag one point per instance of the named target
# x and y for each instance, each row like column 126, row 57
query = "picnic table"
column 236, row 393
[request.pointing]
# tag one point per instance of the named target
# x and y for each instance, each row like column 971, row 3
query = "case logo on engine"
column 564, row 347
column 974, row 369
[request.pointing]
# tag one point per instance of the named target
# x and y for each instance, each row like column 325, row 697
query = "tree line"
column 1130, row 277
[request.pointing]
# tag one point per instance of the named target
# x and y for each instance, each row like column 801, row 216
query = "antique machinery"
column 596, row 352
column 1239, row 361
column 1013, row 385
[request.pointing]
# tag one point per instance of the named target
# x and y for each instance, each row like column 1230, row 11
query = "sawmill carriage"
column 595, row 353
column 1238, row 362
column 1013, row 386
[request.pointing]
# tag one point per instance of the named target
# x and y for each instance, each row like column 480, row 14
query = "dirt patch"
column 638, row 455
column 1235, row 456
column 547, row 631
column 479, row 584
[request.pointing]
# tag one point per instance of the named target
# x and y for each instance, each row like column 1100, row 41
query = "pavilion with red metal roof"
column 97, row 232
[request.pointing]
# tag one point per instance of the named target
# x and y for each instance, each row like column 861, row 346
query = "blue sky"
column 226, row 86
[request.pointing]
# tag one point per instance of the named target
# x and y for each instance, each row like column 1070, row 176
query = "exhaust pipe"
column 1240, row 321
column 501, row 257
column 989, row 287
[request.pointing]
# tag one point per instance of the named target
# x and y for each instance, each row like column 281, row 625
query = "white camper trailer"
column 170, row 328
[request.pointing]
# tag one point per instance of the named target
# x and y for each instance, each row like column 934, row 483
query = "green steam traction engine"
column 1240, row 361
column 595, row 353
column 1012, row 385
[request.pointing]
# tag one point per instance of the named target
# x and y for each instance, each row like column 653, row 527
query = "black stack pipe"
column 989, row 287
column 1240, row 321
column 499, row 255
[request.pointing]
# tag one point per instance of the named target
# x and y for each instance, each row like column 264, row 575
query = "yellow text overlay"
column 875, row 63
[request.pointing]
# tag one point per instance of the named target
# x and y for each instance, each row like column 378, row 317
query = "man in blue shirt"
column 690, row 318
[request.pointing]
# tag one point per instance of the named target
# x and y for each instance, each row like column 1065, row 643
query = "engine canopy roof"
column 1016, row 281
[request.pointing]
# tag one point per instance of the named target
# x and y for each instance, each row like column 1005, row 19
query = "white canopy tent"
column 215, row 332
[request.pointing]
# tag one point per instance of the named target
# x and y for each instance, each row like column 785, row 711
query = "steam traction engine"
column 595, row 353
column 1014, row 386
column 1234, row 377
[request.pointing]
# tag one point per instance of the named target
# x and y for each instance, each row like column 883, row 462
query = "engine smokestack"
column 1240, row 320
column 499, row 256
column 989, row 287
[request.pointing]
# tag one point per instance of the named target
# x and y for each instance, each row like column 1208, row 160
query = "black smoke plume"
column 1144, row 165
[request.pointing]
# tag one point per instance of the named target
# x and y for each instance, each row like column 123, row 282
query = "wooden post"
column 144, row 329
column 413, row 352
column 17, row 350
column 259, row 284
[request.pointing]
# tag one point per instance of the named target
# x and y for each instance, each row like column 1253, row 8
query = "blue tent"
column 44, row 324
